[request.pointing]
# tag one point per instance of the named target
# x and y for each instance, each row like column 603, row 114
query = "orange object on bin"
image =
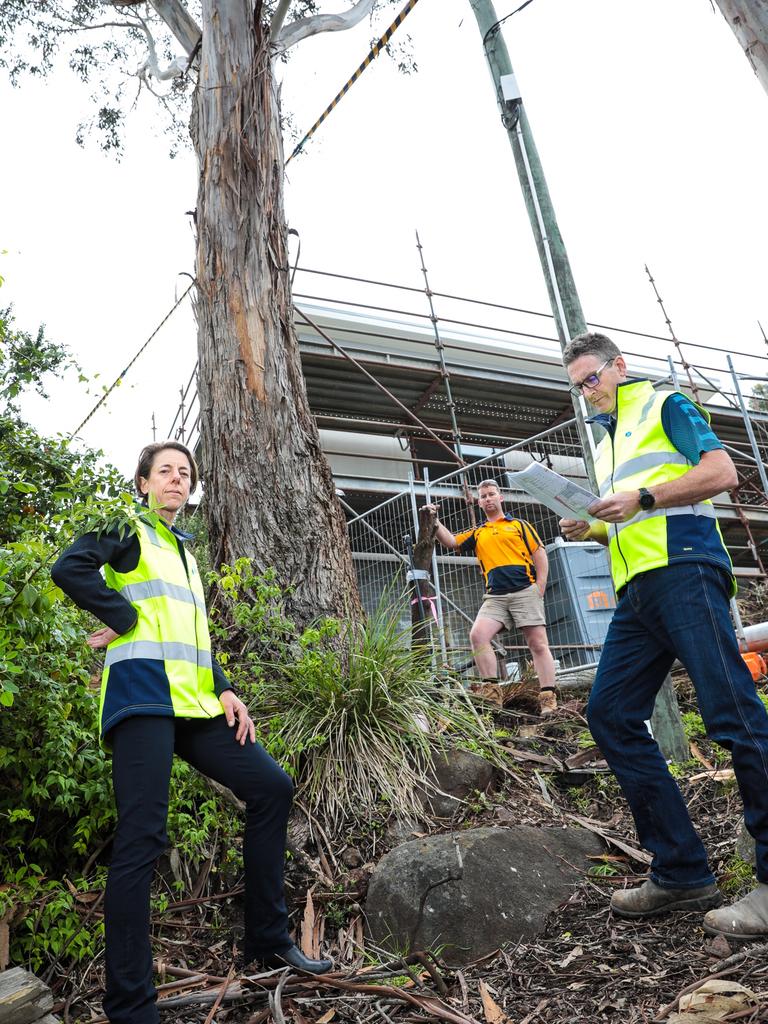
column 756, row 664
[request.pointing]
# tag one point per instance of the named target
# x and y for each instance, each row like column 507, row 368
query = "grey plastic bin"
column 579, row 600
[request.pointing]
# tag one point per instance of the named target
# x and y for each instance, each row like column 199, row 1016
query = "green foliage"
column 199, row 825
column 682, row 769
column 604, row 870
column 50, row 917
column 103, row 45
column 350, row 710
column 758, row 400
column 693, row 726
column 738, row 877
column 55, row 801
column 56, row 804
column 25, row 359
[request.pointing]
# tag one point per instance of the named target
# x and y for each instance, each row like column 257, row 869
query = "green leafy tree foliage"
column 123, row 50
column 758, row 400
column 55, row 801
column 56, row 807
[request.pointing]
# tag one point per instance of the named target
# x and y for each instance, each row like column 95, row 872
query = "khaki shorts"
column 523, row 608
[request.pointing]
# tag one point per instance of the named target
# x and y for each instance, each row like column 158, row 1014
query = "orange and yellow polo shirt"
column 504, row 550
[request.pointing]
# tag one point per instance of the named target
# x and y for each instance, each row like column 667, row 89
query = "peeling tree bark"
column 749, row 21
column 270, row 492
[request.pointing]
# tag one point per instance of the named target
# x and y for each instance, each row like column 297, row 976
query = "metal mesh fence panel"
column 379, row 551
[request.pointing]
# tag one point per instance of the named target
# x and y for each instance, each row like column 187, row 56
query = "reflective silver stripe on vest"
column 152, row 534
column 647, row 408
column 641, row 463
column 699, row 509
column 158, row 650
column 159, row 588
column 648, row 461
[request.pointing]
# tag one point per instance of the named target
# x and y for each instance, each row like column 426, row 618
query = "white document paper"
column 563, row 496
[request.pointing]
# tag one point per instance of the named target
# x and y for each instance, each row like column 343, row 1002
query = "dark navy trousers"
column 142, row 752
column 679, row 611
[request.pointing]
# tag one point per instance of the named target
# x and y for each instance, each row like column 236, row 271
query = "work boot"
column 746, row 919
column 291, row 957
column 650, row 899
column 547, row 700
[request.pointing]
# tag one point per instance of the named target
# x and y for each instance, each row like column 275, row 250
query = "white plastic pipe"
column 755, row 638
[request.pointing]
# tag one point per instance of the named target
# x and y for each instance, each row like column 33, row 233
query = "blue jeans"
column 679, row 611
column 142, row 752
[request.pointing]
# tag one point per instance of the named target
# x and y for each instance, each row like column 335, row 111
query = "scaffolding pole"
column 748, row 425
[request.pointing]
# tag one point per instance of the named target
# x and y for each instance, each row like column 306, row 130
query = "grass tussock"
column 357, row 716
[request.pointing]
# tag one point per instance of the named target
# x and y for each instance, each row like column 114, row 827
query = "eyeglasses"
column 590, row 381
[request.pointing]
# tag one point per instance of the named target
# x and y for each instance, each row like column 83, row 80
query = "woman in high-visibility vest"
column 163, row 694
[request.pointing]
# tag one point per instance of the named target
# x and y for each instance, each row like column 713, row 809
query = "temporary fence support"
column 436, row 584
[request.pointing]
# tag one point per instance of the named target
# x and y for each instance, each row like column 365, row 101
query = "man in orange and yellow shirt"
column 515, row 567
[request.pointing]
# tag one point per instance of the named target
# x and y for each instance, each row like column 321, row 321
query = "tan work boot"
column 746, row 919
column 650, row 899
column 547, row 700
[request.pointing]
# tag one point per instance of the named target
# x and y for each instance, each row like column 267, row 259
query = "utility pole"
column 564, row 299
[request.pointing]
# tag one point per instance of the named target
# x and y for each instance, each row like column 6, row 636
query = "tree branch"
column 79, row 26
column 278, row 18
column 151, row 69
column 180, row 22
column 305, row 27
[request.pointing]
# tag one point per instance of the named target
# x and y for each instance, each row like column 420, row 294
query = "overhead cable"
column 373, row 54
column 120, row 376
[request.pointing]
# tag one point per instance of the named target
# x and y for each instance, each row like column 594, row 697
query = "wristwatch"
column 647, row 500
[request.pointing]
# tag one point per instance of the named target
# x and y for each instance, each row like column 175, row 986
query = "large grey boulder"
column 467, row 893
column 456, row 775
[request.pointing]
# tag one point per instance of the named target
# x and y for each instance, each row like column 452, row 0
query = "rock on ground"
column 467, row 893
column 456, row 775
column 745, row 845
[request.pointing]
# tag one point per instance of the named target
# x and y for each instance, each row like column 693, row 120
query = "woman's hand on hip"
column 236, row 712
column 101, row 638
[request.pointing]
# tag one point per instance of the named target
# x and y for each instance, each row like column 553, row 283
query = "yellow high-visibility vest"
column 163, row 665
column 641, row 455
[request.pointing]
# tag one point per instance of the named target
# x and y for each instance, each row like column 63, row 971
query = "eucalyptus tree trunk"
column 749, row 21
column 270, row 492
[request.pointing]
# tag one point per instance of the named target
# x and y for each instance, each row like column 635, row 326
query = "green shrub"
column 56, row 806
column 693, row 726
column 350, row 710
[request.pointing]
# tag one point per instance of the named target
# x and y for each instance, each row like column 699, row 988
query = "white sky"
column 649, row 122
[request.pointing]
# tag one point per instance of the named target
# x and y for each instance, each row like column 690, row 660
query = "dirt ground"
column 587, row 967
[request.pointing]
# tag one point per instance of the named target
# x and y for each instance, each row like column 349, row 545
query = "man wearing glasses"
column 658, row 466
